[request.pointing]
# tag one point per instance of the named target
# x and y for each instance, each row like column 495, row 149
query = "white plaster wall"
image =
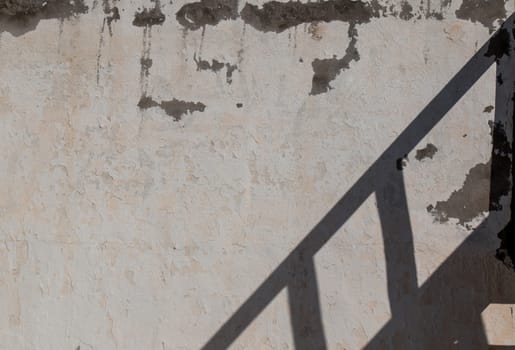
column 121, row 228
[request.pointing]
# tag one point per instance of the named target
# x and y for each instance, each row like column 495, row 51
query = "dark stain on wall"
column 484, row 186
column 21, row 16
column 149, row 17
column 145, row 63
column 277, row 16
column 174, row 108
column 228, row 74
column 427, row 152
column 216, row 66
column 486, row 12
column 195, row 15
column 112, row 14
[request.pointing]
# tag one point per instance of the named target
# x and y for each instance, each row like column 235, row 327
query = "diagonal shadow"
column 444, row 311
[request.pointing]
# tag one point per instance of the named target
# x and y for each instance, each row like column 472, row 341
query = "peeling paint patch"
column 196, row 15
column 57, row 8
column 149, row 17
column 488, row 109
column 277, row 16
column 486, row 12
column 427, row 152
column 174, row 108
column 21, row 7
column 469, row 201
column 326, row 70
column 21, row 16
column 484, row 185
column 406, row 11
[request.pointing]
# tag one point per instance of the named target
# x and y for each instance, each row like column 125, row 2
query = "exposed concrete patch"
column 195, row 15
column 427, row 152
column 484, row 185
column 486, row 12
column 149, row 17
column 174, row 108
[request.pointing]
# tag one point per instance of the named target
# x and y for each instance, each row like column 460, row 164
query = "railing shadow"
column 445, row 311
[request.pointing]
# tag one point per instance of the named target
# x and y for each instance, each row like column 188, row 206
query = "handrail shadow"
column 433, row 316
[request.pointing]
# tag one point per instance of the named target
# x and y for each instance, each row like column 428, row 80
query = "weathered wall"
column 159, row 160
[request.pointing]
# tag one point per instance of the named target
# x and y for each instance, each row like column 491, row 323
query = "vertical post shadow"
column 305, row 311
column 401, row 272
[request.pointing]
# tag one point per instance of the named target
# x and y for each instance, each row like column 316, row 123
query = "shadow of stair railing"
column 445, row 311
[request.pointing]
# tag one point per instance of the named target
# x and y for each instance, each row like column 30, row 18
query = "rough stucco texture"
column 158, row 160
